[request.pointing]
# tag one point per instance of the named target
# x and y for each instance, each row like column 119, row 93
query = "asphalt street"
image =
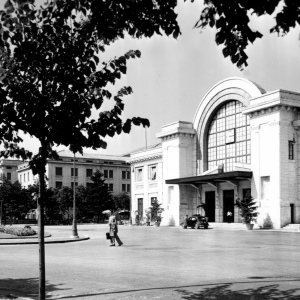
column 158, row 263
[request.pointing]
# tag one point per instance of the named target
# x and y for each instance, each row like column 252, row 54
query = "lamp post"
column 74, row 225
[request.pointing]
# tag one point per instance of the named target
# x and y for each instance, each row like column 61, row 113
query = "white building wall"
column 178, row 140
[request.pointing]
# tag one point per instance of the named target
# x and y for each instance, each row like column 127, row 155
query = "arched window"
column 229, row 137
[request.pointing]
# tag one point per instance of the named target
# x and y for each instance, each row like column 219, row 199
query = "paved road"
column 158, row 263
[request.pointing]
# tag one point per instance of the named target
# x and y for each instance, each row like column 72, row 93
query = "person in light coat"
column 113, row 230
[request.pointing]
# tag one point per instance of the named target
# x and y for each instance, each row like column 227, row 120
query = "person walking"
column 113, row 230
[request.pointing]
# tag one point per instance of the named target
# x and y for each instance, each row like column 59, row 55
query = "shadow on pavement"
column 24, row 287
column 225, row 292
column 216, row 291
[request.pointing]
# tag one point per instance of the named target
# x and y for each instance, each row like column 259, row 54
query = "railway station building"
column 242, row 139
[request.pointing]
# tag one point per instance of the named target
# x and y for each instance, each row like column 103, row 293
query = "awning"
column 212, row 178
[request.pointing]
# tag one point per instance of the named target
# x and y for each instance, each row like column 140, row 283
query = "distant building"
column 61, row 173
column 242, row 139
column 8, row 169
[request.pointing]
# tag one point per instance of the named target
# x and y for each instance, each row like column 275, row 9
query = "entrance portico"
column 218, row 191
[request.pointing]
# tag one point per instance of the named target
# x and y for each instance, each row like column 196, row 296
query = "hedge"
column 25, row 231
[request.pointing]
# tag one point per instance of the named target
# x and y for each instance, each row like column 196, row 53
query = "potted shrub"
column 248, row 210
column 155, row 211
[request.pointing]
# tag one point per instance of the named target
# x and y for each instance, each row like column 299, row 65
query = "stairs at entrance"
column 291, row 227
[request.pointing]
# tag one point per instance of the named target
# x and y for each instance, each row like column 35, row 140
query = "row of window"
column 152, row 173
column 89, row 173
column 24, row 177
column 125, row 187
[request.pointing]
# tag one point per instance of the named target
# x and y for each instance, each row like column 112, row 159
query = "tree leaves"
column 232, row 23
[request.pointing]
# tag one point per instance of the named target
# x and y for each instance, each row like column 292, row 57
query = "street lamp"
column 74, row 226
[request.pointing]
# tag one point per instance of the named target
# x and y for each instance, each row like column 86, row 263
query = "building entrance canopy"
column 212, row 178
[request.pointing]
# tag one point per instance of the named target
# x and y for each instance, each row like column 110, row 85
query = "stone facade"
column 273, row 125
column 59, row 172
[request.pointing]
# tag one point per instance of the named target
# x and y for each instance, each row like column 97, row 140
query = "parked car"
column 197, row 222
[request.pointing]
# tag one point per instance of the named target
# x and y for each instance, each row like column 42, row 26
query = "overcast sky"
column 172, row 76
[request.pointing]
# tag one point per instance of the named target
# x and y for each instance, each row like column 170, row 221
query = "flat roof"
column 212, row 178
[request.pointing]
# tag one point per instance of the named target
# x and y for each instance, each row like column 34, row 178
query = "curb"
column 46, row 241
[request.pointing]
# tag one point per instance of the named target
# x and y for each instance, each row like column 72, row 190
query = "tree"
column 248, row 209
column 231, row 20
column 155, row 211
column 99, row 197
column 49, row 78
column 16, row 201
column 122, row 201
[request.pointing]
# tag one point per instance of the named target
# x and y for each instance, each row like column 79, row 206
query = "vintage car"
column 197, row 222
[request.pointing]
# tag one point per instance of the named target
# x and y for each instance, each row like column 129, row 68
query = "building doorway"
column 210, row 201
column 228, row 205
column 140, row 207
column 292, row 213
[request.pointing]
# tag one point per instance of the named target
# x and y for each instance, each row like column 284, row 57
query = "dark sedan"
column 197, row 222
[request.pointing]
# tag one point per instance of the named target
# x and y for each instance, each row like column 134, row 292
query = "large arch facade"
column 234, row 88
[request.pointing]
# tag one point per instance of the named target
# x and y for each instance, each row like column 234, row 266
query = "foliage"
column 267, row 223
column 17, row 230
column 122, row 201
column 16, row 199
column 155, row 211
column 247, row 209
column 63, row 200
column 99, row 197
column 49, row 70
column 231, row 20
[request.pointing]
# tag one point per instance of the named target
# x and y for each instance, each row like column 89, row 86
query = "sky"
column 172, row 76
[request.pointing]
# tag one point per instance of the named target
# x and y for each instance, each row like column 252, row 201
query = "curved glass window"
column 229, row 137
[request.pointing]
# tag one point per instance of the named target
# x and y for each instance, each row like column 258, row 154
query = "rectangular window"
column 20, row 178
column 72, row 171
column 58, row 184
column 72, row 184
column 123, row 187
column 291, row 150
column 139, row 175
column 111, row 187
column 105, row 173
column 153, row 200
column 8, row 176
column 128, row 188
column 89, row 172
column 58, row 171
column 152, row 172
column 8, row 167
column 111, row 174
column 125, row 175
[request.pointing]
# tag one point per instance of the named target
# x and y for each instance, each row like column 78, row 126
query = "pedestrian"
column 229, row 216
column 185, row 222
column 148, row 219
column 113, row 230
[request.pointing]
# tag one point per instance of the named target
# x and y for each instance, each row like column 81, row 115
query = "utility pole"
column 1, row 213
column 74, row 226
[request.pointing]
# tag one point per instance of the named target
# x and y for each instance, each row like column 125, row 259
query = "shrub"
column 248, row 209
column 267, row 223
column 17, row 230
column 155, row 211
